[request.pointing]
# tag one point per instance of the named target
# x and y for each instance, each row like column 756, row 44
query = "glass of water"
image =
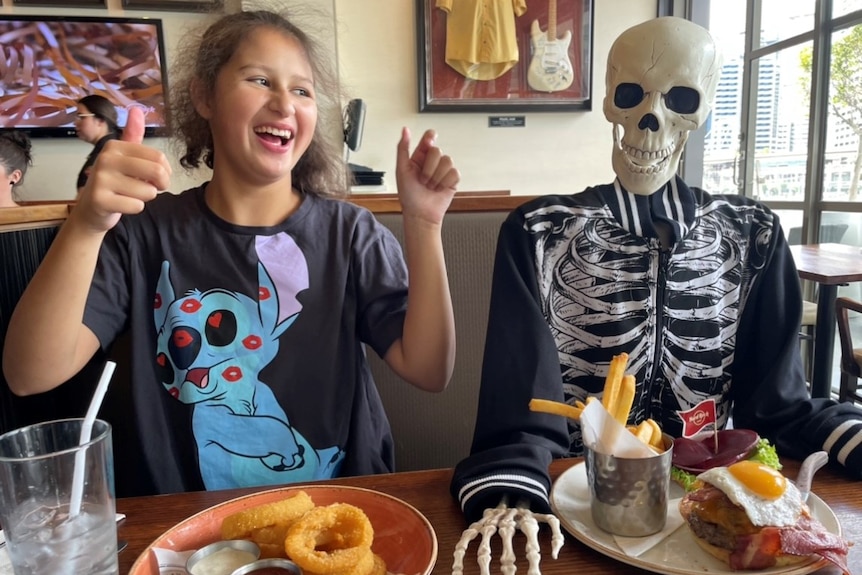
column 37, row 468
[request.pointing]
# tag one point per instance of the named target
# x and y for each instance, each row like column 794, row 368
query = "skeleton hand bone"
column 506, row 520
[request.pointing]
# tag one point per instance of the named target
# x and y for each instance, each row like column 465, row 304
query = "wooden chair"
column 851, row 358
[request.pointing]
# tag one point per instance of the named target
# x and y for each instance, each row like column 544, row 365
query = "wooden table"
column 830, row 265
column 428, row 491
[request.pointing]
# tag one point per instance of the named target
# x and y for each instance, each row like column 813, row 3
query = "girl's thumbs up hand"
column 126, row 175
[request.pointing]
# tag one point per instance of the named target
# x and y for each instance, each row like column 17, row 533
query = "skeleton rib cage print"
column 605, row 291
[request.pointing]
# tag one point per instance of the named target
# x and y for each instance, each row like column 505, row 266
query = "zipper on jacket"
column 661, row 284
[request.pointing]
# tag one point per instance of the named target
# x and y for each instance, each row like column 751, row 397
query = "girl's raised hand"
column 426, row 179
column 126, row 175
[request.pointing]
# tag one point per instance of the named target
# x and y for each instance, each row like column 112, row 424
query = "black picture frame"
column 563, row 70
column 64, row 3
column 175, row 5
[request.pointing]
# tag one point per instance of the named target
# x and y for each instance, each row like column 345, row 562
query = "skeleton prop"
column 506, row 520
column 661, row 79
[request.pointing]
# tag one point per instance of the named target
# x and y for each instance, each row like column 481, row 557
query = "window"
column 786, row 125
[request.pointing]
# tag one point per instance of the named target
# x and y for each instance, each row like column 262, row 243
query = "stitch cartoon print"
column 212, row 347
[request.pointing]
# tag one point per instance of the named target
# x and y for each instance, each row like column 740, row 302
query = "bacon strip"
column 809, row 536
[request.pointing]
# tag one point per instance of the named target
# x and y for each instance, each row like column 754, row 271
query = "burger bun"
column 723, row 555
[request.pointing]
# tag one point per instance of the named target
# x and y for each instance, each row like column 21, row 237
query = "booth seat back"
column 435, row 430
column 26, row 234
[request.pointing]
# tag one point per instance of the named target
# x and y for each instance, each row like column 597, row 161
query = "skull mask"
column 661, row 80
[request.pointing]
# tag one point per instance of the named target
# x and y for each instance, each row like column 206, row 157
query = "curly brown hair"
column 321, row 170
column 15, row 152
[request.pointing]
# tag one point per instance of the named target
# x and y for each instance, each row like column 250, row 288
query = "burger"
column 750, row 516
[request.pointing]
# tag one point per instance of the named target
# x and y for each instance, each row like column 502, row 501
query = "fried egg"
column 767, row 497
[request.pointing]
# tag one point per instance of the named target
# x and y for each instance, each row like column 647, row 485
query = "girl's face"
column 263, row 111
column 7, row 180
column 87, row 126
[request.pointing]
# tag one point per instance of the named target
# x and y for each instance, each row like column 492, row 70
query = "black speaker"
column 354, row 121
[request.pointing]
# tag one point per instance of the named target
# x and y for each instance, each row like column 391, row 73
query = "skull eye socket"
column 628, row 95
column 682, row 100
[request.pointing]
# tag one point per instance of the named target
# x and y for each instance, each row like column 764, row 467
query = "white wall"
column 554, row 153
column 376, row 46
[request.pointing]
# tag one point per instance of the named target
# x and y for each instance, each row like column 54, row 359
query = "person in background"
column 96, row 124
column 250, row 298
column 15, row 158
column 700, row 291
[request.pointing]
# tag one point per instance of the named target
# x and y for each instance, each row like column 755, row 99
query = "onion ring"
column 367, row 565
column 271, row 541
column 243, row 524
column 332, row 539
column 379, row 566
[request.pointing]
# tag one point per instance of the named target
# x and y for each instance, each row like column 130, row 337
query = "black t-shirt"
column 248, row 364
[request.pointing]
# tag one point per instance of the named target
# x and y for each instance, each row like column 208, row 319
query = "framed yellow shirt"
column 481, row 43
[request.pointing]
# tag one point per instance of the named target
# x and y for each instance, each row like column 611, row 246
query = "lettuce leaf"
column 764, row 452
column 684, row 478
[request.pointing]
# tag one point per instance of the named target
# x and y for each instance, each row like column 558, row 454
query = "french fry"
column 656, row 438
column 614, row 380
column 644, row 432
column 624, row 400
column 555, row 408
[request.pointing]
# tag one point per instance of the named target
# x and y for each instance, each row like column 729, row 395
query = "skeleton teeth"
column 647, row 169
column 286, row 134
column 638, row 154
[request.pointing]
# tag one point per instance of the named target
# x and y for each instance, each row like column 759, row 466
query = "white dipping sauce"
column 222, row 562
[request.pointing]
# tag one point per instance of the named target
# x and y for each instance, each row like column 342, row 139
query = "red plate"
column 403, row 537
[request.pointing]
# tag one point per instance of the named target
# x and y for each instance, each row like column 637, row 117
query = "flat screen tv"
column 47, row 63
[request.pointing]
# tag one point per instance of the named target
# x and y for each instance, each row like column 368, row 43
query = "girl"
column 249, row 298
column 96, row 124
column 15, row 158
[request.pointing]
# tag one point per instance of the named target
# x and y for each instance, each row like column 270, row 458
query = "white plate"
column 677, row 554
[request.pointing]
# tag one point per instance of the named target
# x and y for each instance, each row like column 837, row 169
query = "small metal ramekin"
column 269, row 567
column 207, row 550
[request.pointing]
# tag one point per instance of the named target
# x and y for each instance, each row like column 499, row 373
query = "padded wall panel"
column 21, row 252
column 435, row 430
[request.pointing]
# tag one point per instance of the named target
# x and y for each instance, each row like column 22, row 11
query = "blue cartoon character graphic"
column 212, row 347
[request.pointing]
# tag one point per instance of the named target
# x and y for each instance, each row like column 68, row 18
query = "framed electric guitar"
column 503, row 56
column 550, row 67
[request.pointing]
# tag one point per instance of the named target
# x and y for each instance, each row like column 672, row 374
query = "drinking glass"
column 37, row 468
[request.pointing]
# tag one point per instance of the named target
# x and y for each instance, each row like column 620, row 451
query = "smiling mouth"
column 274, row 135
column 198, row 376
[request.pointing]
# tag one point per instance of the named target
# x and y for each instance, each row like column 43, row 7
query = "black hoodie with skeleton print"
column 580, row 278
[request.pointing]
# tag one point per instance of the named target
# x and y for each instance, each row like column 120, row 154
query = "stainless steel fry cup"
column 629, row 496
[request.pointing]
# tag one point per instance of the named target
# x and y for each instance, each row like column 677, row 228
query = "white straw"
column 86, row 432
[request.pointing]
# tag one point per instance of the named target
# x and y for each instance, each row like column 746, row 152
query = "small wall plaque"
column 507, row 121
